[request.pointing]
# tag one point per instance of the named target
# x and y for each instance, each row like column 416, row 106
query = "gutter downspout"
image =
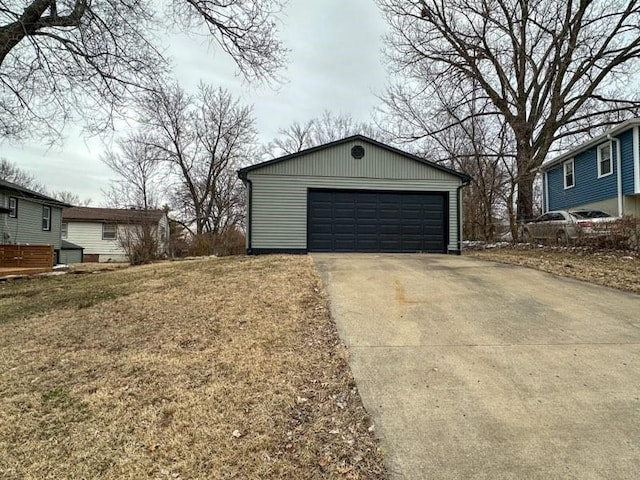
column 464, row 183
column 545, row 180
column 249, row 185
column 618, row 172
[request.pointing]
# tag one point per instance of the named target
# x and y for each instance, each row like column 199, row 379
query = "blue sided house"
column 602, row 174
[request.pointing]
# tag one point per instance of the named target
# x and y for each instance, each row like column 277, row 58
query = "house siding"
column 89, row 236
column 279, row 191
column 626, row 147
column 588, row 187
column 27, row 227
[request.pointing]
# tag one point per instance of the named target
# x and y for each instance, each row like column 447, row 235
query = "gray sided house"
column 603, row 174
column 352, row 195
column 28, row 217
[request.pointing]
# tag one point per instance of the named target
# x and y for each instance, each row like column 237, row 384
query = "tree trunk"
column 524, row 162
column 525, row 197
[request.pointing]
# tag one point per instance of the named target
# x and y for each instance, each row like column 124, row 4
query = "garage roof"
column 242, row 173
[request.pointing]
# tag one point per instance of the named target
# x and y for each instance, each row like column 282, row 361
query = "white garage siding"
column 279, row 190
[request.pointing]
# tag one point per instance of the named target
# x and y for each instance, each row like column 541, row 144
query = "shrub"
column 229, row 242
column 628, row 230
column 140, row 243
column 623, row 234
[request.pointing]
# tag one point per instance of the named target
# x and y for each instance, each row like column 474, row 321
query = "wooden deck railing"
column 26, row 256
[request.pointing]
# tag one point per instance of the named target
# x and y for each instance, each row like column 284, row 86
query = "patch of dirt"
column 218, row 368
column 611, row 268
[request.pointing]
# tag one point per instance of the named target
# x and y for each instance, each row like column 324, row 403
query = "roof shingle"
column 110, row 215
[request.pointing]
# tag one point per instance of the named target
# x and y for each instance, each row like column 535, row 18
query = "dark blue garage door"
column 363, row 221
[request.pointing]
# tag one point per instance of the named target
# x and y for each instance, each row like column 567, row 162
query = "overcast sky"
column 335, row 64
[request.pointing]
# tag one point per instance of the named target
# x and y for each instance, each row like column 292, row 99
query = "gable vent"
column 357, row 152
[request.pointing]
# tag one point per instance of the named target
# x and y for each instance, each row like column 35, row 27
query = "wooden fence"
column 26, row 256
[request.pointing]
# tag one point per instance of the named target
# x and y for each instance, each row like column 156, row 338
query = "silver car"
column 561, row 226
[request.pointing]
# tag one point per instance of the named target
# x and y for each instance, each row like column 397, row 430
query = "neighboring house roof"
column 5, row 210
column 242, row 173
column 110, row 215
column 632, row 122
column 30, row 194
column 66, row 245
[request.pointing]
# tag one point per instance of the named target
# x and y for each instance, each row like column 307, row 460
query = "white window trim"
column 599, row 155
column 47, row 217
column 564, row 173
column 64, row 230
column 15, row 207
column 115, row 227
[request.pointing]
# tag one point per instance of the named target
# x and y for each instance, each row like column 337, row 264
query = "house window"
column 108, row 231
column 64, row 230
column 569, row 176
column 46, row 218
column 605, row 165
column 13, row 207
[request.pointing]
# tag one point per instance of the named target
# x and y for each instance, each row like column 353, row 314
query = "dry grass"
column 614, row 269
column 89, row 267
column 226, row 368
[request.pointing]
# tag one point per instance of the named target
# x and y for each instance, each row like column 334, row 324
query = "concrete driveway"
column 480, row 370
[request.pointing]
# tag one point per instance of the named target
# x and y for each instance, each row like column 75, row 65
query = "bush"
column 229, row 242
column 628, row 229
column 140, row 243
column 623, row 234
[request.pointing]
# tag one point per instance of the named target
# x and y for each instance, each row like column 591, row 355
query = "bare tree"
column 138, row 173
column 70, row 198
column 481, row 149
column 551, row 70
column 317, row 131
column 89, row 58
column 141, row 240
column 10, row 172
column 202, row 139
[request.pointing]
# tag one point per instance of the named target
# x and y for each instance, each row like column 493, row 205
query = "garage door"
column 363, row 221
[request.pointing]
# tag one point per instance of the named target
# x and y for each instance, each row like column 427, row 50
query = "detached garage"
column 352, row 195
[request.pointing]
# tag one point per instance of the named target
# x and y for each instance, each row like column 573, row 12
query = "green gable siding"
column 338, row 162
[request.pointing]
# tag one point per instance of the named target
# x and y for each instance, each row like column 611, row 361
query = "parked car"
column 562, row 226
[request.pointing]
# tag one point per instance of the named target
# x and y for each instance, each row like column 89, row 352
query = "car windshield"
column 590, row 214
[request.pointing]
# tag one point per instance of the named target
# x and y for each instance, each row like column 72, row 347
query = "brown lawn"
column 610, row 268
column 217, row 368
